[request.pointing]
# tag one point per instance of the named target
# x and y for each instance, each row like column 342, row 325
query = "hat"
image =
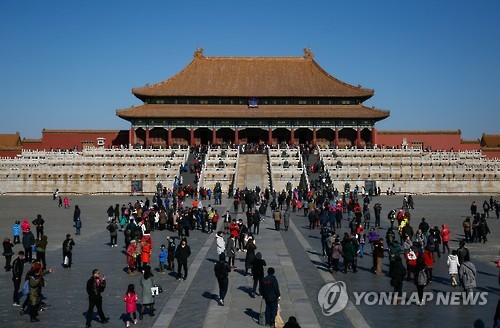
column 170, row 239
column 133, row 241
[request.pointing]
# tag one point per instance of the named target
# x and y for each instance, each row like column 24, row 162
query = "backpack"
column 422, row 278
column 220, row 270
column 411, row 255
column 111, row 227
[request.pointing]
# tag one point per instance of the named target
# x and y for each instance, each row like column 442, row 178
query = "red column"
column 314, row 136
column 292, row 136
column 191, row 137
column 270, row 136
column 131, row 136
column 214, row 135
column 374, row 137
column 336, row 138
column 236, row 136
column 358, row 137
column 146, row 141
column 169, row 137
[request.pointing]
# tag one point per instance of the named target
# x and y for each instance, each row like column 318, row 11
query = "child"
column 162, row 257
column 16, row 230
column 453, row 265
column 130, row 300
column 78, row 225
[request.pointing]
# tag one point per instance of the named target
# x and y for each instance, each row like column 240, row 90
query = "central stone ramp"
column 252, row 171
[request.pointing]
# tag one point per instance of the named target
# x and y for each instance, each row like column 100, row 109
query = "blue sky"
column 71, row 64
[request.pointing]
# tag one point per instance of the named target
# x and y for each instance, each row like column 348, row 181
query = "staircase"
column 252, row 171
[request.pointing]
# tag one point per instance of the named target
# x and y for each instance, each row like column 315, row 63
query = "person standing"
column 277, row 219
column 231, row 251
column 270, row 291
column 35, row 277
column 76, row 213
column 147, row 282
column 17, row 274
column 377, row 208
column 182, row 252
column 95, row 286
column 67, row 248
column 421, row 281
column 378, row 255
column 467, row 225
column 38, row 223
column 28, row 243
column 221, row 270
column 7, row 252
column 113, row 233
column 16, row 231
column 41, row 246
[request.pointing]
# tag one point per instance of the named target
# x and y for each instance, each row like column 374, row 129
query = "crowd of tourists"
column 411, row 248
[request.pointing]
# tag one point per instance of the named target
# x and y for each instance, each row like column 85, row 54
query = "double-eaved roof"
column 247, row 77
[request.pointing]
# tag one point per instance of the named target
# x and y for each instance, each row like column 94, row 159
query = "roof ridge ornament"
column 198, row 53
column 308, row 54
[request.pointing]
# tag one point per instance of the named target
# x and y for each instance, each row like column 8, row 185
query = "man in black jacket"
column 221, row 270
column 182, row 253
column 28, row 243
column 38, row 222
column 270, row 291
column 17, row 275
column 95, row 286
column 67, row 248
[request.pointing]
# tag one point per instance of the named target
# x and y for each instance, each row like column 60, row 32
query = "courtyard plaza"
column 295, row 254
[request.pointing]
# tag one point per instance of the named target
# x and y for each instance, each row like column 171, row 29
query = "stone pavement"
column 295, row 254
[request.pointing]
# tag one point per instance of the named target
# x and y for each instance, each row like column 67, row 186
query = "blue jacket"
column 16, row 229
column 162, row 255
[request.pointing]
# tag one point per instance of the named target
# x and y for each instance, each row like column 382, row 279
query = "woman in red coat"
column 428, row 258
column 132, row 257
column 445, row 237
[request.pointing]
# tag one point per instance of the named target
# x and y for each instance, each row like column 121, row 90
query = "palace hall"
column 234, row 100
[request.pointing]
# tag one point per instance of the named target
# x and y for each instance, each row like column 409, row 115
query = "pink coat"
column 25, row 225
column 445, row 233
column 130, row 300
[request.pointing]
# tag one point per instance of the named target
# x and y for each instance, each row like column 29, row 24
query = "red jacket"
column 445, row 233
column 428, row 259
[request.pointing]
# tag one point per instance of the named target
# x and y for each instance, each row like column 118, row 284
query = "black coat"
column 269, row 289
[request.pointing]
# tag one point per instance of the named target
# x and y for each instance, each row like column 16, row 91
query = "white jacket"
column 452, row 264
column 221, row 245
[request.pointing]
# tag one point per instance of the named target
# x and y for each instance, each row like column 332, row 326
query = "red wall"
column 67, row 139
column 435, row 140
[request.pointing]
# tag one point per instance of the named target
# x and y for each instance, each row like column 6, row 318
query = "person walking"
column 286, row 219
column 148, row 300
column 182, row 252
column 231, row 251
column 270, row 292
column 453, row 266
column 445, row 238
column 67, row 248
column 113, row 233
column 130, row 300
column 95, row 286
column 221, row 270
column 397, row 274
column 467, row 273
column 17, row 274
column 257, row 272
column 421, row 281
